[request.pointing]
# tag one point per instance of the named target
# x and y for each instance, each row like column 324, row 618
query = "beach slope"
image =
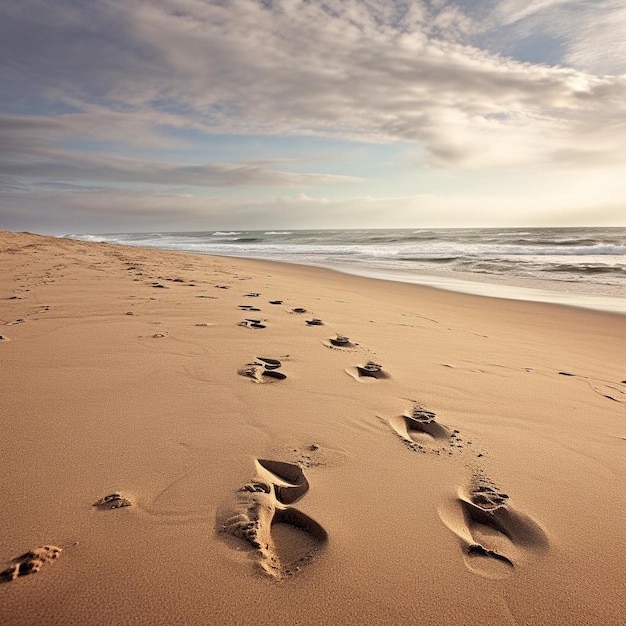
column 189, row 439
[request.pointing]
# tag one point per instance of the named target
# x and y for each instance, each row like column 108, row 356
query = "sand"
column 459, row 460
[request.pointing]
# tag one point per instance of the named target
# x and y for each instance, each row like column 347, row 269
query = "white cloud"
column 512, row 11
column 591, row 33
column 111, row 92
column 350, row 69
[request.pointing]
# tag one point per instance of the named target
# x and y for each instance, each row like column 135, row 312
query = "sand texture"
column 188, row 439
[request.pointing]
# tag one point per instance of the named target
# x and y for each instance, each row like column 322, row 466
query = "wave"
column 504, row 249
column 591, row 256
column 492, row 266
column 430, row 259
column 583, row 242
column 586, row 269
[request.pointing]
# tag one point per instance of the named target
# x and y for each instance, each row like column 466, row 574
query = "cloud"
column 28, row 157
column 589, row 33
column 115, row 106
column 369, row 72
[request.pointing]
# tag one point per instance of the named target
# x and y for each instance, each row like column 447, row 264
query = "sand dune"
column 456, row 460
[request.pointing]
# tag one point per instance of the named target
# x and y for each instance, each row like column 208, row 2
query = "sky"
column 180, row 115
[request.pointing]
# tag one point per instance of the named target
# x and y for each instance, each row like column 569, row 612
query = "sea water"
column 575, row 266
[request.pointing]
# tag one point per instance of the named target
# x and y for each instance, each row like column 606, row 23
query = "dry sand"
column 476, row 477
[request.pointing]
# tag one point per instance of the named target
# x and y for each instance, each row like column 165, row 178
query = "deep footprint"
column 112, row 501
column 495, row 538
column 263, row 371
column 283, row 538
column 420, row 430
column 341, row 341
column 367, row 372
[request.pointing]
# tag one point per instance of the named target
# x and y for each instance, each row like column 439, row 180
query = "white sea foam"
column 575, row 261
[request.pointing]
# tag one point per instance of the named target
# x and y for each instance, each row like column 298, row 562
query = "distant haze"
column 175, row 115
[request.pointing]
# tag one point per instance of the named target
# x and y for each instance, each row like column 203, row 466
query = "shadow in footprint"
column 290, row 482
column 263, row 370
column 30, row 562
column 112, row 501
column 297, row 538
column 340, row 342
column 420, row 430
column 368, row 372
column 495, row 537
column 251, row 323
column 283, row 538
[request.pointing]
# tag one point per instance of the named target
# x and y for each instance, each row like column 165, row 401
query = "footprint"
column 340, row 342
column 275, row 301
column 495, row 537
column 30, row 562
column 263, row 371
column 298, row 309
column 112, row 501
column 368, row 372
column 420, row 430
column 270, row 364
column 314, row 322
column 283, row 538
column 252, row 323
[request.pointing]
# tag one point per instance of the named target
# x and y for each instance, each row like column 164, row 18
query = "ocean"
column 583, row 267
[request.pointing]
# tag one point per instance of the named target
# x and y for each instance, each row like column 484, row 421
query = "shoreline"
column 165, row 460
column 494, row 286
column 593, row 296
column 490, row 286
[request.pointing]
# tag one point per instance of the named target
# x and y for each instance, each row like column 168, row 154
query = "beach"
column 415, row 456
